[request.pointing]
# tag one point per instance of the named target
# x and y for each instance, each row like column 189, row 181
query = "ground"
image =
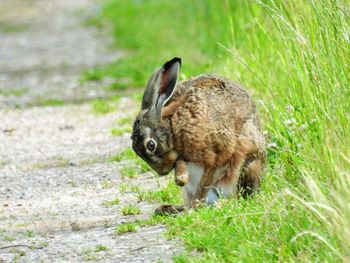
column 56, row 180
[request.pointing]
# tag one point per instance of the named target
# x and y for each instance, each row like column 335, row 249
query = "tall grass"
column 294, row 58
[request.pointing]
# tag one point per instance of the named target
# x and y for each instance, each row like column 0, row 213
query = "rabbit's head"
column 152, row 138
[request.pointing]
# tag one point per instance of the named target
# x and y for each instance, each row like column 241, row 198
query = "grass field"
column 294, row 58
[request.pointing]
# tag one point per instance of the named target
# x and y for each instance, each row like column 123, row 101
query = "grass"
column 118, row 131
column 129, row 155
column 125, row 121
column 13, row 92
column 168, row 194
column 51, row 102
column 113, row 202
column 124, row 126
column 101, row 106
column 132, row 226
column 125, row 228
column 100, row 248
column 128, row 172
column 107, row 184
column 29, row 233
column 294, row 58
column 130, row 210
column 8, row 28
column 9, row 238
column 88, row 255
column 18, row 254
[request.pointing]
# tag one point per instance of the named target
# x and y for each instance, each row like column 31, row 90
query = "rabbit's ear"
column 161, row 86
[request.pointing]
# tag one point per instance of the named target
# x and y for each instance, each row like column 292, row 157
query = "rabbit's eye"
column 151, row 145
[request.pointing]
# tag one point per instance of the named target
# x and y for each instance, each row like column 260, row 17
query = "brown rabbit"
column 206, row 128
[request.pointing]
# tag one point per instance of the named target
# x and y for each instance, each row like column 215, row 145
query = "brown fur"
column 215, row 122
column 181, row 174
column 207, row 120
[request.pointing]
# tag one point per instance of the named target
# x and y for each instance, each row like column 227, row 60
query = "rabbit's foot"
column 181, row 173
column 181, row 179
column 169, row 210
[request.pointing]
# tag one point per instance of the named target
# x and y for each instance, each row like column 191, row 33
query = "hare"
column 207, row 129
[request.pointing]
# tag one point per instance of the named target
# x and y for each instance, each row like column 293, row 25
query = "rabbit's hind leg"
column 250, row 176
column 227, row 185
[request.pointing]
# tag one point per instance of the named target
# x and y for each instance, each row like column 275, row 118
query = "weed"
column 169, row 194
column 124, row 187
column 51, row 102
column 44, row 243
column 118, row 131
column 29, row 233
column 113, row 202
column 128, row 172
column 130, row 210
column 91, row 75
column 125, row 121
column 13, row 28
column 107, row 184
column 125, row 228
column 88, row 255
column 18, row 255
column 13, row 92
column 9, row 238
column 101, row 106
column 100, row 248
column 127, row 154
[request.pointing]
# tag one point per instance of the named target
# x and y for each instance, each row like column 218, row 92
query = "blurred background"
column 292, row 56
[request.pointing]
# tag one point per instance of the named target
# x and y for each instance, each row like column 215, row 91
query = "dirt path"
column 54, row 174
column 43, row 49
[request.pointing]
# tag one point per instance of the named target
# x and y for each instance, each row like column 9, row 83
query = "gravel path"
column 54, row 173
column 43, row 49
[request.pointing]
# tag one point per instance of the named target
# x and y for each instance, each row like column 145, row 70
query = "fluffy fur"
column 206, row 124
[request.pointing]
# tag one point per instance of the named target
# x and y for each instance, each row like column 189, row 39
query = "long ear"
column 161, row 86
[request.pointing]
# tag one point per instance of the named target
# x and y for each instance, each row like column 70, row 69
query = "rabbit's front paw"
column 181, row 179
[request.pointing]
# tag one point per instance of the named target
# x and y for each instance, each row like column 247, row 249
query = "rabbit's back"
column 211, row 118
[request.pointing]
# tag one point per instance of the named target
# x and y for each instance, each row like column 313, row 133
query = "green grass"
column 129, row 154
column 113, row 202
column 13, row 92
column 91, row 75
column 107, row 184
column 51, row 102
column 169, row 194
column 124, row 126
column 294, row 58
column 29, row 233
column 100, row 248
column 118, row 131
column 9, row 238
column 90, row 254
column 125, row 228
column 125, row 121
column 8, row 28
column 128, row 172
column 101, row 106
column 130, row 210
